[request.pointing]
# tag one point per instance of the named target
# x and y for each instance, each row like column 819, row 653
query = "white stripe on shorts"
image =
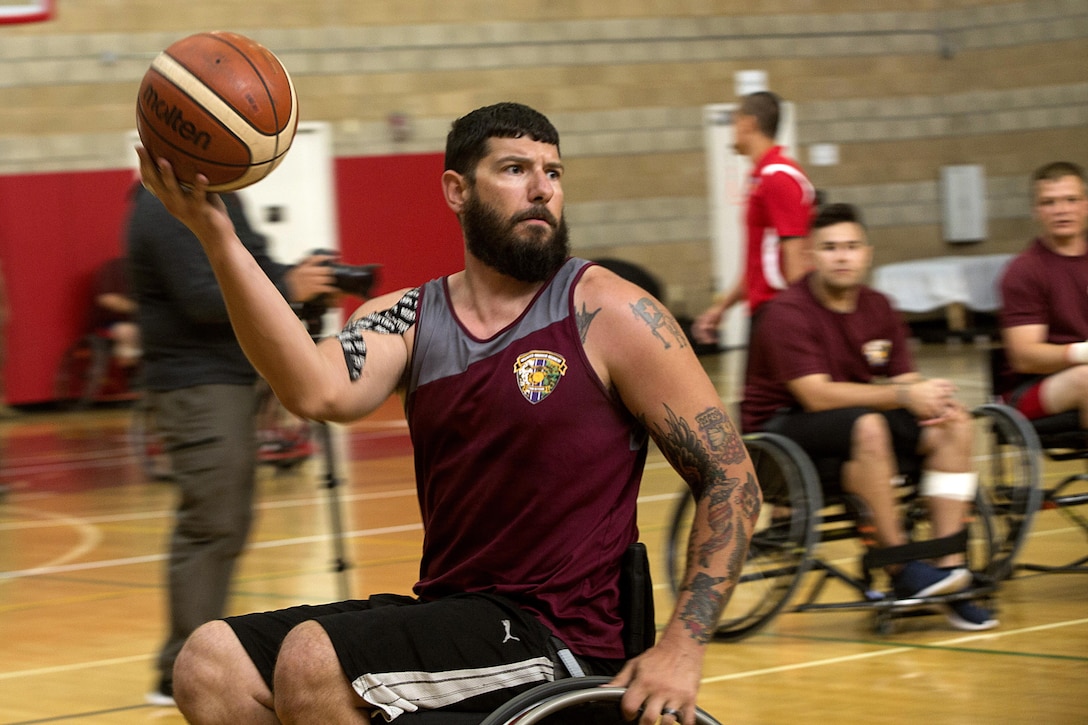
column 395, row 693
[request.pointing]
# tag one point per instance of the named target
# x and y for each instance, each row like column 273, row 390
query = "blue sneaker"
column 967, row 616
column 917, row 580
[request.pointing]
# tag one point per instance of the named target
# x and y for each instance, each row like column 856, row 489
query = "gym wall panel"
column 392, row 212
column 902, row 89
column 55, row 230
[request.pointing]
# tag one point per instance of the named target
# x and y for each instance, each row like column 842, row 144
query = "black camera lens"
column 355, row 279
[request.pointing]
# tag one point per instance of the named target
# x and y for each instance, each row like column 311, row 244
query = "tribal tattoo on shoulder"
column 660, row 322
column 583, row 318
column 701, row 455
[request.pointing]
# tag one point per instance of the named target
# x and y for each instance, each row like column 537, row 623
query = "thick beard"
column 530, row 256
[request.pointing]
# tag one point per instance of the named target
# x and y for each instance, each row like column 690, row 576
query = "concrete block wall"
column 902, row 91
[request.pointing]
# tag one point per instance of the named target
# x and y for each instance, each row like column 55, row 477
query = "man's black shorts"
column 468, row 652
column 829, row 433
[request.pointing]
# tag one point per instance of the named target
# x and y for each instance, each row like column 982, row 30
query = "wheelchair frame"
column 795, row 520
column 87, row 373
column 579, row 700
column 1061, row 439
column 551, row 698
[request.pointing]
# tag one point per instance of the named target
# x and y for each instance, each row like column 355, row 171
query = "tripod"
column 331, row 483
column 356, row 280
column 311, row 315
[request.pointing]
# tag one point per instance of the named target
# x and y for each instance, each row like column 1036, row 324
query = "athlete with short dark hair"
column 532, row 382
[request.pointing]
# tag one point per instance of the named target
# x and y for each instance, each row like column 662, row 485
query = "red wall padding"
column 392, row 213
column 56, row 229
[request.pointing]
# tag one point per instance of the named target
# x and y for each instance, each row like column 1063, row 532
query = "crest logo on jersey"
column 876, row 352
column 538, row 372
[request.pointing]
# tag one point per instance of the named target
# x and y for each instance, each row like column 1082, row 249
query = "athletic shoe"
column 967, row 616
column 161, row 696
column 917, row 579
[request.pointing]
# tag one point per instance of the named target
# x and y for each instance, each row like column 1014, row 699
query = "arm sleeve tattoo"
column 394, row 321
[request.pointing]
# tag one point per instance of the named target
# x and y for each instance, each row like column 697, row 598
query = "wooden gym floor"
column 83, row 535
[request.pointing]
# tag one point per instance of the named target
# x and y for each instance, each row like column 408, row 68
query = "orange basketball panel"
column 172, row 125
column 242, row 72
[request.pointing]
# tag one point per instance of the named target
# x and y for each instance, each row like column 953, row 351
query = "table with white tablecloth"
column 955, row 283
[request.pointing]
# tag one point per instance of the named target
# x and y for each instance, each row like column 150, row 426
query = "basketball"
column 218, row 104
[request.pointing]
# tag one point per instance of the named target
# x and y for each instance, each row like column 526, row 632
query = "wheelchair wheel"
column 785, row 534
column 1009, row 493
column 571, row 701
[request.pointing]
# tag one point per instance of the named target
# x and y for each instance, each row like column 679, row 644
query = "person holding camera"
column 202, row 389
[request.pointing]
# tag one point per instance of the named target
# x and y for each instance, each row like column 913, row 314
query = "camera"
column 352, row 279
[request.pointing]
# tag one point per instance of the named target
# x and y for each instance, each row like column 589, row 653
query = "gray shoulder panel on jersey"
column 443, row 348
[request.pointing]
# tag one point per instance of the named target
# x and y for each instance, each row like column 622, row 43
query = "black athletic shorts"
column 828, row 434
column 467, row 652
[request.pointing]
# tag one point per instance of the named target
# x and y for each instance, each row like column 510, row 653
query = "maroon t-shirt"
column 797, row 336
column 1041, row 287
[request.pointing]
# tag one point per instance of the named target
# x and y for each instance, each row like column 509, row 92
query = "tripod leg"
column 341, row 565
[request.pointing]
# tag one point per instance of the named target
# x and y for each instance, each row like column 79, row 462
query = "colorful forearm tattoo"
column 701, row 456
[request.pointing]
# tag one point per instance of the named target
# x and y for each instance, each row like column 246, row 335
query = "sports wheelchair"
column 1062, row 440
column 578, row 700
column 88, row 373
column 797, row 520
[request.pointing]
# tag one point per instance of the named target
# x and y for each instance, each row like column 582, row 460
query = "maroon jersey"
column 1041, row 287
column 798, row 336
column 527, row 468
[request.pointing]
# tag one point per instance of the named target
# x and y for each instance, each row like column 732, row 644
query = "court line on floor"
column 89, row 535
column 75, row 666
column 92, row 713
column 899, row 649
column 151, row 558
column 166, row 513
column 52, row 569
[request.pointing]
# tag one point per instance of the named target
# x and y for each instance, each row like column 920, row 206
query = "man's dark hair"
column 764, row 107
column 832, row 214
column 467, row 141
column 1058, row 170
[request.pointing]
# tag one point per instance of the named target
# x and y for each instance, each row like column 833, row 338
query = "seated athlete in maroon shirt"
column 1044, row 316
column 831, row 370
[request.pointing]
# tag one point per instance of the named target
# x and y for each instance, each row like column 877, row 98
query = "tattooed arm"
column 639, row 350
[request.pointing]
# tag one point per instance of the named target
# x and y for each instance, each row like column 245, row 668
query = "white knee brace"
column 941, row 484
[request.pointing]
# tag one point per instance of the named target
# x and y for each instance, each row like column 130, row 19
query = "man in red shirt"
column 1044, row 315
column 830, row 369
column 777, row 214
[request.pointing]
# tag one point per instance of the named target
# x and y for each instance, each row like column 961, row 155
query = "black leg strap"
column 929, row 549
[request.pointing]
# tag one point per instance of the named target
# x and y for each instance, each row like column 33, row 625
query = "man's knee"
column 308, row 670
column 1066, row 390
column 209, row 662
column 871, row 438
